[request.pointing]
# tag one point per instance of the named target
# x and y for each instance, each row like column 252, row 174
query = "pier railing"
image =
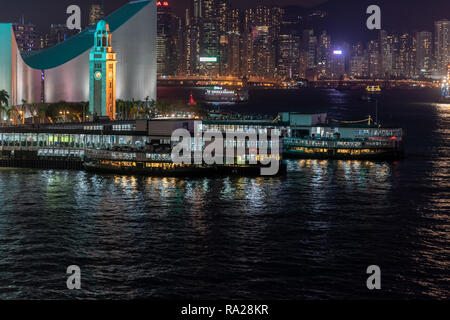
column 47, row 151
column 130, row 156
column 335, row 144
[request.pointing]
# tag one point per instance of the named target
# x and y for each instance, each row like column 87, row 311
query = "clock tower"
column 102, row 78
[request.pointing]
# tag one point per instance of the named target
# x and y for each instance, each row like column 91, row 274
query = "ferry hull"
column 190, row 171
column 381, row 155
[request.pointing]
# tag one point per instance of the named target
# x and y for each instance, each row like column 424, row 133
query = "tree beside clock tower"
column 102, row 83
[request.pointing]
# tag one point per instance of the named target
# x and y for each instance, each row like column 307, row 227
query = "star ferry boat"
column 145, row 146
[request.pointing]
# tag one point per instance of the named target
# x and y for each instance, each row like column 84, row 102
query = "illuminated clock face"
column 98, row 75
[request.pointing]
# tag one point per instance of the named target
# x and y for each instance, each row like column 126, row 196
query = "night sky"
column 346, row 22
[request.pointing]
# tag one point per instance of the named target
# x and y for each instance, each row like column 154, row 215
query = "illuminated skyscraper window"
column 97, row 12
column 442, row 45
column 26, row 36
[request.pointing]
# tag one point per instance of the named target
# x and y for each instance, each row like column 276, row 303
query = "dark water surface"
column 309, row 235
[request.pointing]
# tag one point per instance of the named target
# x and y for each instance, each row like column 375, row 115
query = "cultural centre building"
column 62, row 72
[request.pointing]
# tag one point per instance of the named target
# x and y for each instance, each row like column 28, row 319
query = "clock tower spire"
column 102, row 83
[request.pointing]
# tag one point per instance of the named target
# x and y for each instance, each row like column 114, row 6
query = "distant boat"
column 191, row 100
column 220, row 95
column 373, row 89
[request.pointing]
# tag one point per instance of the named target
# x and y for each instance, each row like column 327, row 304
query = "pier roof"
column 262, row 123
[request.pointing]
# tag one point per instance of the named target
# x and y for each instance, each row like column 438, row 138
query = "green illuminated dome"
column 102, row 26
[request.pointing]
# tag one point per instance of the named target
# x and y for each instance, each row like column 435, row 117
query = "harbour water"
column 309, row 235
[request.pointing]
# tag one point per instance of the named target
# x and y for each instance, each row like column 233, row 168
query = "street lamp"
column 22, row 116
column 64, row 114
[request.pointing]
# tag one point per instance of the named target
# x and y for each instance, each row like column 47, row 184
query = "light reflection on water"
column 321, row 206
column 310, row 234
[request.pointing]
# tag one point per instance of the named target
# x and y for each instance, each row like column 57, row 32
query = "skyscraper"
column 358, row 66
column 246, row 52
column 233, row 47
column 358, row 63
column 26, row 36
column 209, row 47
column 192, row 48
column 323, row 58
column 424, row 49
column 289, row 56
column 262, row 27
column 96, row 12
column 310, row 48
column 57, row 34
column 233, row 54
column 386, row 54
column 357, row 49
column 263, row 52
column 166, row 42
column 222, row 12
column 337, row 63
column 407, row 55
column 374, row 59
column 442, row 45
column 206, row 20
column 205, row 9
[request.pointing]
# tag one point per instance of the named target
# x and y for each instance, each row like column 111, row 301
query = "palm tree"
column 128, row 105
column 2, row 110
column 140, row 109
column 34, row 109
column 42, row 113
column 22, row 111
column 145, row 111
column 85, row 107
column 163, row 108
column 14, row 113
column 4, row 98
column 10, row 113
column 135, row 108
column 81, row 111
column 120, row 109
column 78, row 112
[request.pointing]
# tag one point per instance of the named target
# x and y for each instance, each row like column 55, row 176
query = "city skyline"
column 271, row 42
column 345, row 14
column 215, row 38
